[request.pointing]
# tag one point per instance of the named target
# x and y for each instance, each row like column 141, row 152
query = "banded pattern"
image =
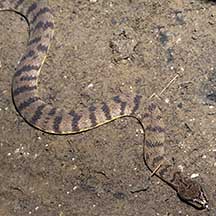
column 60, row 121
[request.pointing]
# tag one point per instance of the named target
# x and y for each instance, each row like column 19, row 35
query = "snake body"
column 60, row 121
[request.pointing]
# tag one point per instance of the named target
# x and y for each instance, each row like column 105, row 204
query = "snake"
column 54, row 120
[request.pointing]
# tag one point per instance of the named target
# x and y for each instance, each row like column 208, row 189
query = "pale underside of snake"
column 54, row 120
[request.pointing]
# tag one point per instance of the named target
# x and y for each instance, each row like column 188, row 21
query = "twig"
column 169, row 84
column 165, row 88
column 156, row 169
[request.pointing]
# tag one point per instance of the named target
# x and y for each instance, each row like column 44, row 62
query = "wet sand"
column 100, row 49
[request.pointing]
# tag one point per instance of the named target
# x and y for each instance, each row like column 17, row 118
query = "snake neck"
column 154, row 146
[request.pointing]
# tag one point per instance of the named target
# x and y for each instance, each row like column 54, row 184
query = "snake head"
column 192, row 193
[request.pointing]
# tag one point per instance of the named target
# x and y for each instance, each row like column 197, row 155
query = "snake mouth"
column 200, row 203
column 196, row 203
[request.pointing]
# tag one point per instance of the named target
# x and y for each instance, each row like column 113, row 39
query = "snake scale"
column 60, row 121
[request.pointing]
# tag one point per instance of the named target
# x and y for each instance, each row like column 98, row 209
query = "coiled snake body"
column 60, row 121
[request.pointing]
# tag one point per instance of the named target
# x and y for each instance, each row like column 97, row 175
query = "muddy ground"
column 102, row 48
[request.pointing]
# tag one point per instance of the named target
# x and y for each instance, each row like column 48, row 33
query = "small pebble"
column 90, row 85
column 178, row 40
column 193, row 119
column 167, row 100
column 204, row 156
column 17, row 150
column 194, row 175
column 75, row 187
column 181, row 167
